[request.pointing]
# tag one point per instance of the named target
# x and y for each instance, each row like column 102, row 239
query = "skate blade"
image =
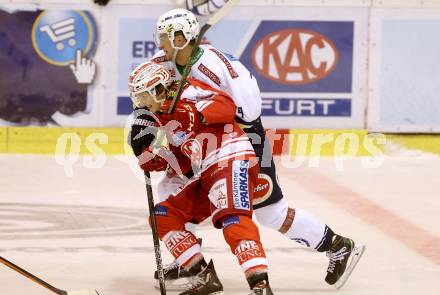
column 175, row 285
column 355, row 255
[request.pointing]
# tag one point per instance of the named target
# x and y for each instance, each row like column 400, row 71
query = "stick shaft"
column 221, row 12
column 31, row 276
column 157, row 252
column 212, row 21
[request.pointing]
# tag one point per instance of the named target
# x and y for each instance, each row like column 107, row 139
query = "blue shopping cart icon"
column 58, row 34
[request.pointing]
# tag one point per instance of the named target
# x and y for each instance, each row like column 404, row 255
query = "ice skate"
column 176, row 277
column 344, row 254
column 261, row 286
column 205, row 283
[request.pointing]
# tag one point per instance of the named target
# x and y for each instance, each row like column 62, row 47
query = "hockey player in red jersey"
column 207, row 145
column 176, row 31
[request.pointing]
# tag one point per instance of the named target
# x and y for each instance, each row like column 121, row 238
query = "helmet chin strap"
column 176, row 50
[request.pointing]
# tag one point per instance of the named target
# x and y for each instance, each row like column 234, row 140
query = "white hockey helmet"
column 145, row 78
column 177, row 20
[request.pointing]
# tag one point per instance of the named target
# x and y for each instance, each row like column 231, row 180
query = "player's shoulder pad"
column 203, row 90
column 209, row 67
column 159, row 57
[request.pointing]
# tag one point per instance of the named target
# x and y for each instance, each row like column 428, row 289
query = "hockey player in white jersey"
column 176, row 32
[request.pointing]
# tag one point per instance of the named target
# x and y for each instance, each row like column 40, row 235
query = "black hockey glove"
column 101, row 2
column 143, row 131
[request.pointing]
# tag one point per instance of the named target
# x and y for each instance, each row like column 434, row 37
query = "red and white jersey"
column 223, row 72
column 218, row 140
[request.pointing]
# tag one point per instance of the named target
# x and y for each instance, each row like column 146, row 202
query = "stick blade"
column 83, row 292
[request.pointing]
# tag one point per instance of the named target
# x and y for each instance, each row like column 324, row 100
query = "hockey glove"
column 156, row 160
column 143, row 131
column 101, row 2
column 185, row 114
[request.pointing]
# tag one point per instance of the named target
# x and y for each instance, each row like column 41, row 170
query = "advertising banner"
column 46, row 67
column 303, row 57
column 304, row 68
column 405, row 87
column 304, row 60
column 310, row 62
column 128, row 42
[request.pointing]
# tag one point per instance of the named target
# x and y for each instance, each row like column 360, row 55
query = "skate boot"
column 205, row 282
column 260, row 284
column 176, row 277
column 343, row 255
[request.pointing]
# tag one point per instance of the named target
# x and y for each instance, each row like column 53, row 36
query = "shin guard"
column 183, row 245
column 242, row 235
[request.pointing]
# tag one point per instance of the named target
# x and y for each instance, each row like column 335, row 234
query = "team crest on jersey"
column 263, row 189
column 240, row 185
column 218, row 194
column 193, row 150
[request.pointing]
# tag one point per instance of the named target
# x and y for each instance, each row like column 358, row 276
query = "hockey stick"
column 43, row 283
column 212, row 21
column 157, row 252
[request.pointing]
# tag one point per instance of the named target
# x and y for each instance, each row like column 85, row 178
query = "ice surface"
column 89, row 231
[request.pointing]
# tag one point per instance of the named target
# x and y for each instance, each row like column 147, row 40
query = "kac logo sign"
column 301, row 56
column 295, row 56
column 58, row 36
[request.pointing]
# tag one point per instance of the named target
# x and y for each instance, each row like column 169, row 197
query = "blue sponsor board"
column 302, row 56
column 136, row 45
column 124, row 105
column 304, row 107
column 58, row 34
column 35, row 50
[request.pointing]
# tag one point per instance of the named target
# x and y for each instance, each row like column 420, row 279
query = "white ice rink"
column 89, row 231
